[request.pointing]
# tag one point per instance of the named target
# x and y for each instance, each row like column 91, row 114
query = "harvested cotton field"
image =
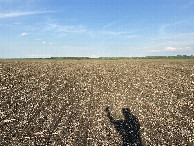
column 63, row 102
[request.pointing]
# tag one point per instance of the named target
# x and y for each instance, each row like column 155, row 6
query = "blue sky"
column 96, row 28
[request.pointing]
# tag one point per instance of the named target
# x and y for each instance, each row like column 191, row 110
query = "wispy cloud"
column 164, row 27
column 18, row 14
column 23, row 34
column 65, row 28
column 111, row 24
column 177, row 49
column 180, row 37
column 113, row 32
column 118, row 33
column 170, row 49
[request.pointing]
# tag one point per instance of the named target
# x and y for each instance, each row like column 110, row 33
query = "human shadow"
column 129, row 128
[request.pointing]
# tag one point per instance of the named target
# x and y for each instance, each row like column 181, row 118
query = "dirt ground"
column 63, row 102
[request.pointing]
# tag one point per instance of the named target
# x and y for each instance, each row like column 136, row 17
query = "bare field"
column 62, row 102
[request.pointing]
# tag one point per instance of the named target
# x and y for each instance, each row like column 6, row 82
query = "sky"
column 96, row 28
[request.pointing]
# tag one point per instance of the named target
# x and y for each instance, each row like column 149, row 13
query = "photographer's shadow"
column 129, row 128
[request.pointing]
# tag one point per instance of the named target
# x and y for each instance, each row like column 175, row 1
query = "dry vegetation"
column 61, row 102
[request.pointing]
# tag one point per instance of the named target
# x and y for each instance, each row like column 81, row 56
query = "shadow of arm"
column 109, row 115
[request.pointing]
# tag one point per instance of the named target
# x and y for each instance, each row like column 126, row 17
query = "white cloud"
column 185, row 49
column 44, row 42
column 114, row 33
column 176, row 36
column 176, row 49
column 65, row 28
column 17, row 14
column 172, row 43
column 170, row 49
column 23, row 34
column 111, row 24
column 164, row 27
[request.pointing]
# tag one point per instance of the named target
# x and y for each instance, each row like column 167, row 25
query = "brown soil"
column 61, row 102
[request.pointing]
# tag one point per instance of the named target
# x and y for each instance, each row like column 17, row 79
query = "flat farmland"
column 63, row 102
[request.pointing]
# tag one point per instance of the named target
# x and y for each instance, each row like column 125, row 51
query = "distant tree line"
column 149, row 57
column 178, row 56
column 70, row 57
column 115, row 58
